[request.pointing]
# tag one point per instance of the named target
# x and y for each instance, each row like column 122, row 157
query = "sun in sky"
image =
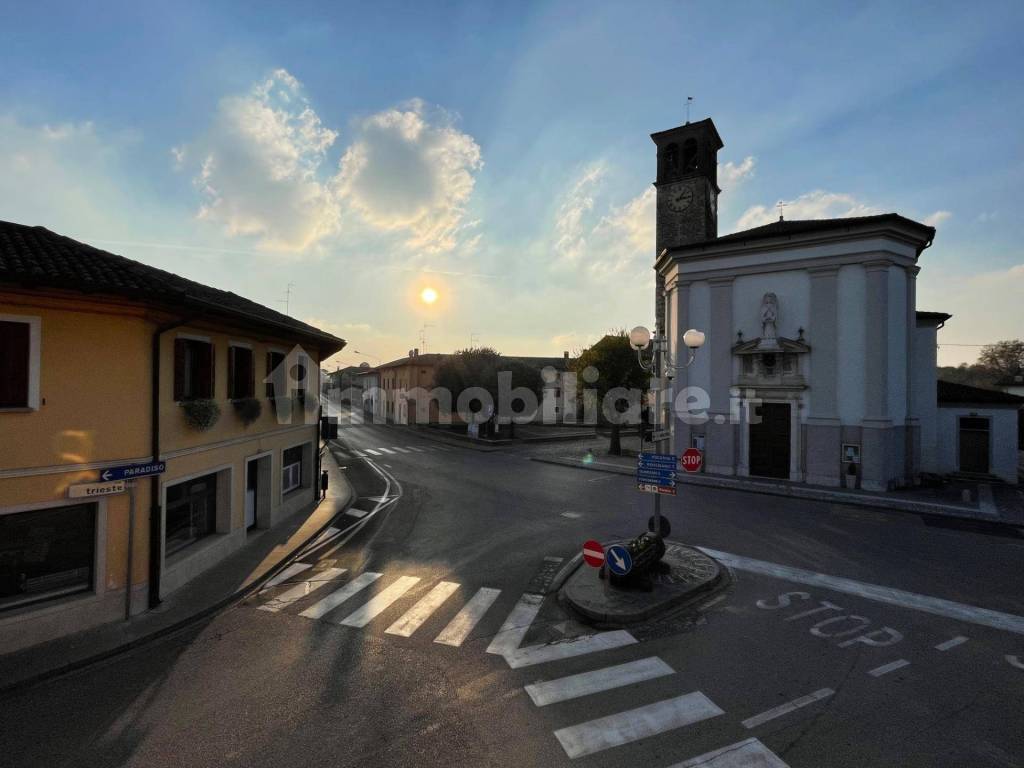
column 428, row 295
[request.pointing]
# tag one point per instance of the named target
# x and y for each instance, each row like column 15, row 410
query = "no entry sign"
column 593, row 553
column 692, row 459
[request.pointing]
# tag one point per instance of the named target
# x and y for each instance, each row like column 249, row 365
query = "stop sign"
column 593, row 553
column 692, row 459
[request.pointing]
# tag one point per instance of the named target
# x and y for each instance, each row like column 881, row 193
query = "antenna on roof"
column 287, row 300
column 780, row 205
column 423, row 336
column 474, row 338
column 689, row 101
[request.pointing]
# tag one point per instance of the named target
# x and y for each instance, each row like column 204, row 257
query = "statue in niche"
column 769, row 321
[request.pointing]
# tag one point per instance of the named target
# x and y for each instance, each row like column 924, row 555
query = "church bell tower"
column 687, row 184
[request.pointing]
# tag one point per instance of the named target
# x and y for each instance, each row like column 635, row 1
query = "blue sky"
column 499, row 152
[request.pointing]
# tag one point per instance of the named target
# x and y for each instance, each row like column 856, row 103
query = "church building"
column 818, row 365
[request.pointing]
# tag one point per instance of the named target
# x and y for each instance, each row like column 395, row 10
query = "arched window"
column 670, row 159
column 690, row 155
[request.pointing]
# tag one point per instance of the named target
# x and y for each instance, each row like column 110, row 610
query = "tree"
column 617, row 366
column 1004, row 358
column 481, row 367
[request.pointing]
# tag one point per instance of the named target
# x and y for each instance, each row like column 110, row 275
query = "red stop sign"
column 692, row 459
column 593, row 553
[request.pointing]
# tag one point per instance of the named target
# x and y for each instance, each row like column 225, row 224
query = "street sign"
column 692, row 460
column 593, row 553
column 132, row 471
column 620, row 562
column 661, row 434
column 89, row 490
column 656, row 473
column 664, row 490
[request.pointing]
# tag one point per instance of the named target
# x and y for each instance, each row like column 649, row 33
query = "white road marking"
column 400, row 450
column 571, row 515
column 415, row 448
column 934, row 605
column 595, row 681
column 743, row 754
column 785, row 709
column 339, row 596
column 357, row 454
column 631, row 725
column 1014, row 661
column 385, row 450
column 567, row 649
column 371, row 452
column 331, row 530
column 512, row 632
column 958, row 640
column 287, row 573
column 299, row 591
column 419, row 613
column 892, row 666
column 380, row 602
column 357, row 513
column 458, row 629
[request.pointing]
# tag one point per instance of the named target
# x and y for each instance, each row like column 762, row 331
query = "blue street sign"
column 658, row 458
column 656, row 477
column 132, row 471
column 620, row 562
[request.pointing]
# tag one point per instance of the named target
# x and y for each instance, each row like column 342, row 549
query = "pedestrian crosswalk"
column 390, row 450
column 356, row 600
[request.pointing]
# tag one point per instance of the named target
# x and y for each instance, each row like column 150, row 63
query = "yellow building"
column 106, row 363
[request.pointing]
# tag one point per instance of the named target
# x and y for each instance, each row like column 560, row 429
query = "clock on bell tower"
column 687, row 184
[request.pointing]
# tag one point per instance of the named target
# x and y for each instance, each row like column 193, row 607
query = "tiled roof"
column 424, row 359
column 962, row 393
column 786, row 228
column 35, row 257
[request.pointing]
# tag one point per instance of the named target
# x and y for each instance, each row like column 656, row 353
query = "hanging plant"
column 249, row 409
column 201, row 414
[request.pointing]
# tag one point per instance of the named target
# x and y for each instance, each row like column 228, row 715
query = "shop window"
column 15, row 364
column 193, row 369
column 291, row 469
column 191, row 512
column 241, row 373
column 46, row 553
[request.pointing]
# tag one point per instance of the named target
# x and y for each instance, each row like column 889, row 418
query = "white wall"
column 897, row 366
column 699, row 373
column 852, row 285
column 1003, row 437
column 924, row 393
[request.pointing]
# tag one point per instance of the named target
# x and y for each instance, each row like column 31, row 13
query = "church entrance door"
column 770, row 441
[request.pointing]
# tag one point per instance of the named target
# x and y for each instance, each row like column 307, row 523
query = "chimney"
column 416, row 352
column 565, row 355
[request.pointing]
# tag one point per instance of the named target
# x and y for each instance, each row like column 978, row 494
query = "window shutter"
column 179, row 369
column 14, row 364
column 232, row 378
column 250, row 373
column 270, row 371
column 206, row 385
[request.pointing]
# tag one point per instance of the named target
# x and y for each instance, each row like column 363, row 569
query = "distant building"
column 1013, row 385
column 105, row 363
column 818, row 365
column 977, row 431
column 398, row 378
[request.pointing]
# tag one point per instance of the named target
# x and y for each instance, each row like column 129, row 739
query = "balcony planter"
column 249, row 409
column 201, row 414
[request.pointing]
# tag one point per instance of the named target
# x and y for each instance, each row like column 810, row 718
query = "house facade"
column 817, row 366
column 106, row 364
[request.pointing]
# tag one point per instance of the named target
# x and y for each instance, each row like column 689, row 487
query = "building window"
column 291, row 469
column 241, row 373
column 789, row 364
column 16, row 374
column 193, row 369
column 276, row 374
column 191, row 512
column 46, row 553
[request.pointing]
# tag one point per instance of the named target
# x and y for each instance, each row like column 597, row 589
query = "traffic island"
column 685, row 574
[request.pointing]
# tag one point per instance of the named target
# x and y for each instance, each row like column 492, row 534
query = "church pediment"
column 760, row 346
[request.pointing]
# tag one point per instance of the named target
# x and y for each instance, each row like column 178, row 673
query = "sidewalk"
column 1007, row 508
column 243, row 572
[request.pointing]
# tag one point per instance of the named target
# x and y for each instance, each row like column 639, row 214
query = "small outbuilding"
column 977, row 431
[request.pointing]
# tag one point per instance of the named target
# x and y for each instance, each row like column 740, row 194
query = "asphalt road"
column 846, row 638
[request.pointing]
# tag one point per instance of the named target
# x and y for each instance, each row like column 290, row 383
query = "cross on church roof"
column 780, row 205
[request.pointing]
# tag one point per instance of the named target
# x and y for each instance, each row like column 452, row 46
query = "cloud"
column 570, row 221
column 818, row 204
column 411, row 170
column 259, row 170
column 987, row 216
column 730, row 174
column 937, row 218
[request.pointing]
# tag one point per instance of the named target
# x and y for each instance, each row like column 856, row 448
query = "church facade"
column 818, row 368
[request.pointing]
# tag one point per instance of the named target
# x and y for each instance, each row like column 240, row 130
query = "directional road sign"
column 620, row 562
column 132, row 471
column 661, row 434
column 656, row 473
column 666, row 459
column 664, row 490
column 593, row 553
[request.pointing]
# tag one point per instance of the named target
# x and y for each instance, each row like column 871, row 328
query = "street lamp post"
column 661, row 365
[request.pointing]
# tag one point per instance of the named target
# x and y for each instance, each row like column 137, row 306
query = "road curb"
column 163, row 632
column 807, row 494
